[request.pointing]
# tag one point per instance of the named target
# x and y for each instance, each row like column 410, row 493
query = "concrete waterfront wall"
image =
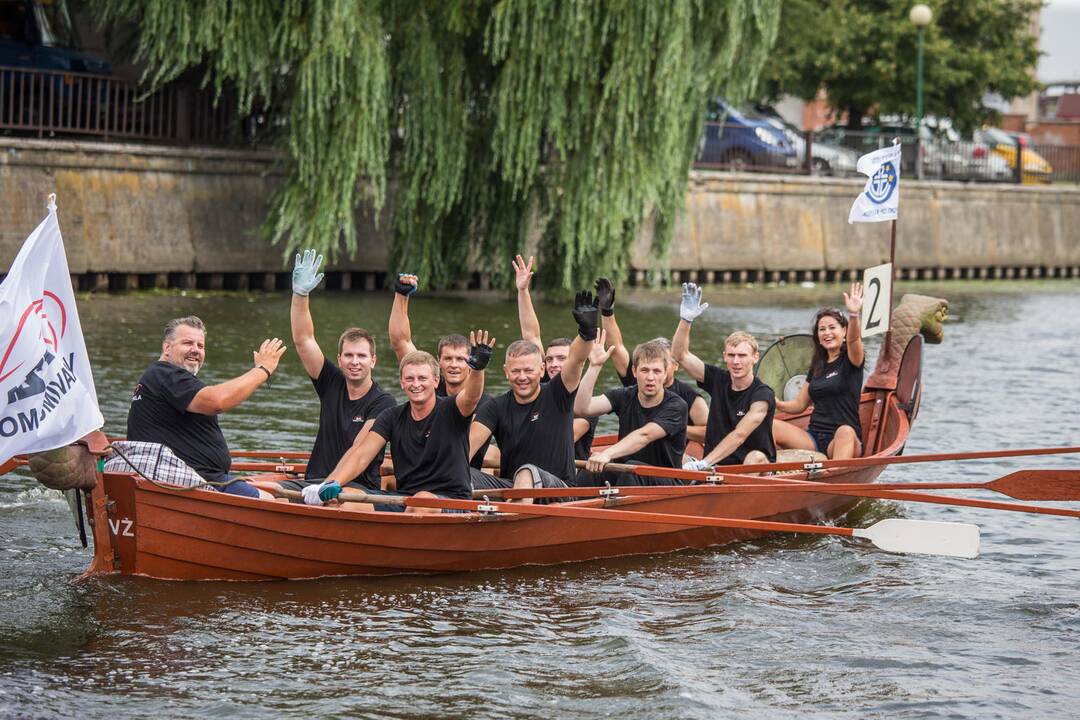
column 151, row 216
column 772, row 225
column 136, row 210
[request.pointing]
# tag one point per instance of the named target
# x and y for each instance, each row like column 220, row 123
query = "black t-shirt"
column 836, row 396
column 684, row 390
column 727, row 409
column 540, row 432
column 583, row 447
column 669, row 414
column 158, row 414
column 430, row 454
column 340, row 420
column 477, row 460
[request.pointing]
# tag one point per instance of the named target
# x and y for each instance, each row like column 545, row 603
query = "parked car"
column 40, row 35
column 944, row 154
column 743, row 139
column 1036, row 169
column 825, row 158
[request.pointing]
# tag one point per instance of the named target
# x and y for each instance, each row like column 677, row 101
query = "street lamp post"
column 920, row 16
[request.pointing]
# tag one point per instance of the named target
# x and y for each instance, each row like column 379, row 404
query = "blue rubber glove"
column 323, row 492
column 305, row 275
column 696, row 465
column 691, row 307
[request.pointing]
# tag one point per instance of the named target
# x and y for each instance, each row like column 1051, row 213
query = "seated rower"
column 739, row 429
column 428, row 434
column 698, row 408
column 555, row 356
column 833, row 385
column 349, row 398
column 652, row 419
column 533, row 423
column 172, row 407
column 452, row 354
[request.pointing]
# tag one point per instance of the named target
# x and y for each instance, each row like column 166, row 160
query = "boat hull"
column 143, row 529
column 199, row 535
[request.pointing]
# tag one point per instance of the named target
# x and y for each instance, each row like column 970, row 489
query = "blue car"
column 743, row 140
column 40, row 35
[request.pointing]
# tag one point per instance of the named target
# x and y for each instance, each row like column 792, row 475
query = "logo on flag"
column 882, row 184
column 47, row 395
column 880, row 199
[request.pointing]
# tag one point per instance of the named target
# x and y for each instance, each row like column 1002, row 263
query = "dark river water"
column 786, row 627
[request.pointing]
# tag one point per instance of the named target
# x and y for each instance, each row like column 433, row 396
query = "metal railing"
column 50, row 103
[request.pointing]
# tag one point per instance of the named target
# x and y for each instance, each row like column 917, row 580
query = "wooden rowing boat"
column 143, row 529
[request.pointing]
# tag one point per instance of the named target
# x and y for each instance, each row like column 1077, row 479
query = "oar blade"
column 1039, row 485
column 925, row 537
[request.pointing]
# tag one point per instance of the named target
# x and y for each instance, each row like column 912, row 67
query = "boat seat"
column 796, row 455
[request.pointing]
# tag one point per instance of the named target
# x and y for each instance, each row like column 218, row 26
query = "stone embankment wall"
column 139, row 216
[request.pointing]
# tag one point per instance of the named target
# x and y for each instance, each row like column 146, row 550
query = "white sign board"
column 877, row 293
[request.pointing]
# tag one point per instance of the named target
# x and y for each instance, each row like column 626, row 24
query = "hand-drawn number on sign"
column 877, row 293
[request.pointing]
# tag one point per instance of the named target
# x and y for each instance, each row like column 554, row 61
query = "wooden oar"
column 905, row 536
column 867, row 490
column 680, row 474
column 1061, row 485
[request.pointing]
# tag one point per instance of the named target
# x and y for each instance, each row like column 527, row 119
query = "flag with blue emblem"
column 880, row 199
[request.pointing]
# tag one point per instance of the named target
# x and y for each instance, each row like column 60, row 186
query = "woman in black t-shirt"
column 833, row 385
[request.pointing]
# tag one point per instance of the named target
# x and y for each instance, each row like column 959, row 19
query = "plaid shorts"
column 155, row 461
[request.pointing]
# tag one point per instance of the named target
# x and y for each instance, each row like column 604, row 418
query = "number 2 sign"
column 877, row 292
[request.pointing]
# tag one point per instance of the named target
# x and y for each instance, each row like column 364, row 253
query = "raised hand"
column 597, row 354
column 305, row 275
column 480, row 348
column 697, row 465
column 269, row 353
column 691, row 307
column 853, row 301
column 605, row 297
column 522, row 273
column 587, row 315
column 406, row 284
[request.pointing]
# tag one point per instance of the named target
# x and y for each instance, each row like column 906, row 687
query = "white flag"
column 47, row 396
column 880, row 199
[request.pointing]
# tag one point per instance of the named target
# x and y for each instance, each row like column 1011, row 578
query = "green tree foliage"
column 486, row 126
column 863, row 54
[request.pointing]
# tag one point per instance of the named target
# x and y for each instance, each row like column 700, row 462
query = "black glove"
column 587, row 315
column 479, row 356
column 403, row 288
column 605, row 297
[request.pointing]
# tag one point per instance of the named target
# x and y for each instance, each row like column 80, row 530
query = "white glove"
column 691, row 307
column 305, row 275
column 311, row 492
column 696, row 465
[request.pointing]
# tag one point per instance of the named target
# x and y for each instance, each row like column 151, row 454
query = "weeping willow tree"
column 561, row 125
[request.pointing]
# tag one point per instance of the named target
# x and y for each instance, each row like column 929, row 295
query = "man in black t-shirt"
column 620, row 356
column 556, row 354
column 652, row 419
column 533, row 423
column 428, row 435
column 349, row 398
column 739, row 430
column 452, row 354
column 172, row 407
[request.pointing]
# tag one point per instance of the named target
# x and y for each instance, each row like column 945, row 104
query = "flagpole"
column 892, row 273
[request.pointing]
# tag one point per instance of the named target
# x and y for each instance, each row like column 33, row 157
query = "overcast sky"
column 1060, row 41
